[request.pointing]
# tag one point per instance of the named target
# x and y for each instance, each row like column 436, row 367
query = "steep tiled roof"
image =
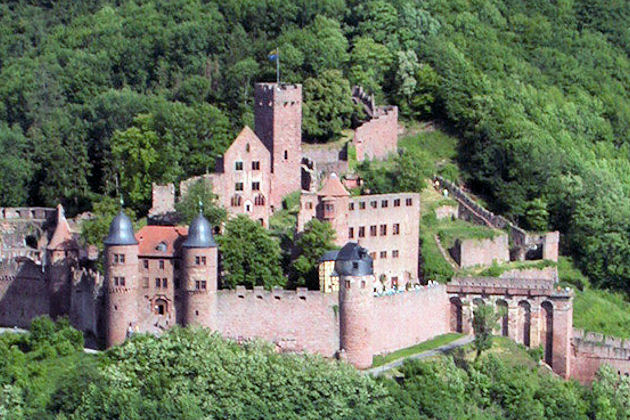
column 62, row 237
column 150, row 238
column 333, row 187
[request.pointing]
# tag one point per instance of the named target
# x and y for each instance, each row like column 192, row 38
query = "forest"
column 101, row 98
column 191, row 374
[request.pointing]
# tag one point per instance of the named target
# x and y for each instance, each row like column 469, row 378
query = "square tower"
column 278, row 123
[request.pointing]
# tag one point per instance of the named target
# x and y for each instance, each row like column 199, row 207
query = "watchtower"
column 278, row 124
column 356, row 284
column 121, row 275
column 61, row 254
column 200, row 274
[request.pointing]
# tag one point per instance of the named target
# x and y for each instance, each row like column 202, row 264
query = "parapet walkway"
column 429, row 353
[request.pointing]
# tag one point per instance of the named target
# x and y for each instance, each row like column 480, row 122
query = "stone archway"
column 456, row 315
column 525, row 317
column 502, row 309
column 547, row 328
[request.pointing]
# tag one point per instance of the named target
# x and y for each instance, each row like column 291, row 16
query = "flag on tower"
column 273, row 55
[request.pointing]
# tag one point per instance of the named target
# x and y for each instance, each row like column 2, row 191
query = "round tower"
column 200, row 270
column 356, row 282
column 121, row 277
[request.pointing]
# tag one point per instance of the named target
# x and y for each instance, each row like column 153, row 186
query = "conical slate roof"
column 200, row 234
column 121, row 231
column 354, row 260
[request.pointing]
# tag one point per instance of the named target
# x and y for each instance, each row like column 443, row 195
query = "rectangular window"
column 361, row 231
column 115, row 281
column 384, row 203
column 158, row 282
column 408, row 201
column 362, row 205
column 395, row 253
column 309, row 205
column 255, row 186
column 203, row 260
column 383, row 230
column 115, row 258
column 161, row 264
column 164, row 283
column 197, row 260
column 351, row 206
column 383, row 254
column 122, row 281
column 397, row 202
column 203, row 285
column 374, row 204
column 145, row 282
column 396, row 228
column 197, row 284
column 373, row 230
column 122, row 258
column 238, row 165
column 238, row 186
column 351, row 233
column 256, row 165
column 145, row 263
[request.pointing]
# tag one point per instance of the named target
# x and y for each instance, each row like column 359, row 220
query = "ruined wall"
column 163, row 198
column 299, row 320
column 23, row 294
column 404, row 319
column 378, row 137
column 471, row 252
column 87, row 305
column 446, row 212
column 589, row 351
column 548, row 273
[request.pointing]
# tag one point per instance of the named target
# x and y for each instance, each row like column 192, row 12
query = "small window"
column 115, row 258
column 373, row 255
column 374, row 204
column 259, row 200
column 236, row 201
column 355, row 265
column 164, row 283
column 197, row 284
column 238, row 165
column 361, row 231
column 384, row 203
column 247, row 148
column 286, row 154
column 203, row 285
column 362, row 205
column 396, row 228
column 238, row 186
column 351, row 206
column 383, row 230
column 309, row 205
column 161, row 264
column 373, row 230
column 256, row 165
column 351, row 233
column 383, row 254
column 145, row 263
column 255, row 186
column 397, row 202
column 145, row 282
column 203, row 260
column 122, row 258
column 348, row 281
column 409, row 202
column 122, row 281
column 395, row 253
column 197, row 260
column 158, row 282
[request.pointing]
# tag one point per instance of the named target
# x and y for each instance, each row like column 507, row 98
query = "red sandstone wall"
column 589, row 351
column 376, row 138
column 294, row 321
column 482, row 252
column 21, row 300
column 408, row 318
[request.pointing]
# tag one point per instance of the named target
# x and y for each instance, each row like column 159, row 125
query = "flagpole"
column 278, row 65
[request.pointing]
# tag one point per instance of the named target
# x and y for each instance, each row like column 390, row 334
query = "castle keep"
column 371, row 301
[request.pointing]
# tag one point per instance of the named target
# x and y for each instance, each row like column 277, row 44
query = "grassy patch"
column 434, row 265
column 569, row 273
column 434, row 343
column 602, row 311
column 460, row 229
column 495, row 270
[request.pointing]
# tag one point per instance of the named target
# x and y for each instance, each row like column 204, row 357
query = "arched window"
column 236, row 201
column 525, row 316
column 456, row 316
column 259, row 200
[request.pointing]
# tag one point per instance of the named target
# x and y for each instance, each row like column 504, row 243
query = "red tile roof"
column 149, row 237
column 333, row 187
column 62, row 236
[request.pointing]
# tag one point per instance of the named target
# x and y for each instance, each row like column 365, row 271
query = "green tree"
column 250, row 256
column 16, row 168
column 95, row 230
column 328, row 106
column 485, row 321
column 317, row 238
column 200, row 192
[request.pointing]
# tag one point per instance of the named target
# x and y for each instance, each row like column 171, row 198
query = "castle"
column 165, row 275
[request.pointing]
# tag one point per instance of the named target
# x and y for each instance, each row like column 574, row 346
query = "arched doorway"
column 502, row 309
column 547, row 311
column 456, row 317
column 525, row 317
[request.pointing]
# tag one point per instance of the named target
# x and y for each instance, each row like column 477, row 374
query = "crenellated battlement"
column 507, row 286
column 27, row 213
column 276, row 294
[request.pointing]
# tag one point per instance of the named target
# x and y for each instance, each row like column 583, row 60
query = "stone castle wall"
column 589, row 351
column 23, row 294
column 378, row 137
column 299, row 320
column 472, row 252
column 404, row 319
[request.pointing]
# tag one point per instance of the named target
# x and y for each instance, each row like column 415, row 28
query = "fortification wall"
column 299, row 320
column 550, row 273
column 471, row 252
column 378, row 137
column 404, row 319
column 87, row 304
column 589, row 351
column 23, row 294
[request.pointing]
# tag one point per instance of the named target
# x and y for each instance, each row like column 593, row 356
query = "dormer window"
column 161, row 247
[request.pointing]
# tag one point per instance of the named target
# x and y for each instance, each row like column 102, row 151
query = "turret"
column 200, row 268
column 356, row 283
column 333, row 207
column 62, row 253
column 121, row 277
